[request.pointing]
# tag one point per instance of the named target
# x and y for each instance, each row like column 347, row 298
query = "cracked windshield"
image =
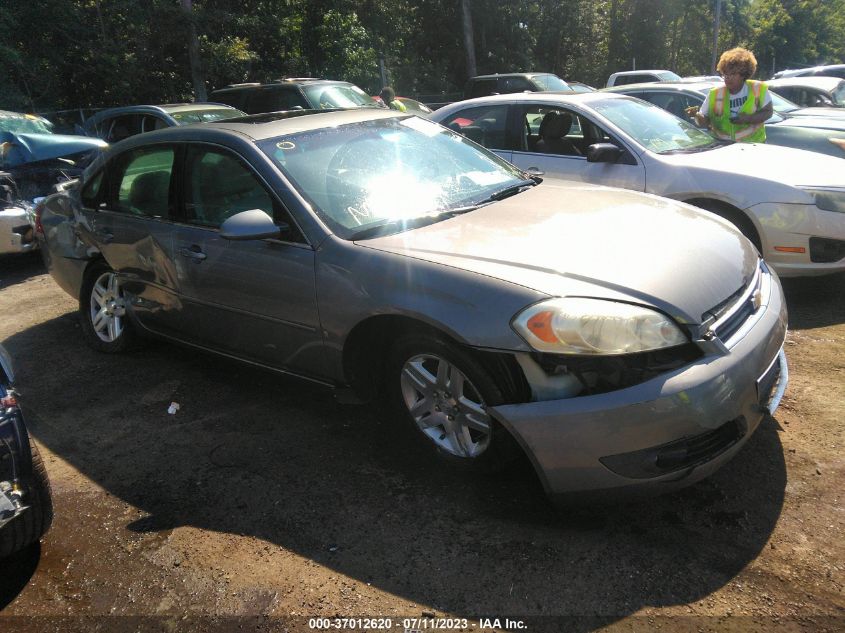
column 388, row 173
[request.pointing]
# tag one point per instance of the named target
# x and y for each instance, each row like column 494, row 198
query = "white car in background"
column 790, row 203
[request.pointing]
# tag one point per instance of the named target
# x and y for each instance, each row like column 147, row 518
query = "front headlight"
column 594, row 326
column 829, row 199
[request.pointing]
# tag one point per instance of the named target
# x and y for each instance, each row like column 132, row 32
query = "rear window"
column 481, row 88
column 275, row 99
column 234, row 98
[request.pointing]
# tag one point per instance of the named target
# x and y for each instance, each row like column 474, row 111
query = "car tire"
column 444, row 393
column 102, row 311
column 34, row 522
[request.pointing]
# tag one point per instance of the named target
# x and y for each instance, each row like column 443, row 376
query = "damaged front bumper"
column 16, row 230
column 662, row 434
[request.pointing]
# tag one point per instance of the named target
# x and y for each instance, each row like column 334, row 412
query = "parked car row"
column 446, row 270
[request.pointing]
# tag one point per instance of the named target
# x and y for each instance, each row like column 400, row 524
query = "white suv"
column 640, row 76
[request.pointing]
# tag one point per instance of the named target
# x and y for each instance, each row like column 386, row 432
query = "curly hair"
column 738, row 60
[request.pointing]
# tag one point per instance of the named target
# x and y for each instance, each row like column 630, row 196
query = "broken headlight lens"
column 595, row 326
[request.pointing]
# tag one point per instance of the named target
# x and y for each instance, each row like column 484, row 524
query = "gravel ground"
column 263, row 502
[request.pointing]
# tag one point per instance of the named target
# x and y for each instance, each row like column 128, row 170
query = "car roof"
column 14, row 115
column 496, row 75
column 697, row 86
column 822, row 83
column 559, row 96
column 190, row 107
column 269, row 125
column 798, row 72
column 640, row 72
column 296, row 81
column 166, row 108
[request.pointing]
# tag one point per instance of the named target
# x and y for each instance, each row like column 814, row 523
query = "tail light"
column 39, row 209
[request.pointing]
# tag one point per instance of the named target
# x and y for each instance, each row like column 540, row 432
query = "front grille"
column 826, row 251
column 730, row 315
column 678, row 455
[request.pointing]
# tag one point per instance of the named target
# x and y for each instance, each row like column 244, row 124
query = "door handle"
column 194, row 252
column 104, row 236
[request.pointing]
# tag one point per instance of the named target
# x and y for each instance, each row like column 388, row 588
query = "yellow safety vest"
column 720, row 114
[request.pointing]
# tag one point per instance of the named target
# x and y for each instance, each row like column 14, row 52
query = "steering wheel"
column 345, row 177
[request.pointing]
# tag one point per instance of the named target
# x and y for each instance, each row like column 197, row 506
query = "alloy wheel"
column 446, row 406
column 107, row 307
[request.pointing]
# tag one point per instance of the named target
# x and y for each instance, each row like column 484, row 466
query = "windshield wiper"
column 698, row 148
column 415, row 223
column 398, row 226
column 507, row 192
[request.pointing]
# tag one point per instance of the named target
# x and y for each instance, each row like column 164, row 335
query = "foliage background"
column 83, row 53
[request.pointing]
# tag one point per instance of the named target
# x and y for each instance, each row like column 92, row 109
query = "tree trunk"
column 194, row 52
column 469, row 43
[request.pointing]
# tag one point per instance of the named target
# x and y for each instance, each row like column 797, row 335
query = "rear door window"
column 482, row 88
column 486, row 125
column 508, row 85
column 122, row 127
column 275, row 98
column 143, row 177
column 235, row 98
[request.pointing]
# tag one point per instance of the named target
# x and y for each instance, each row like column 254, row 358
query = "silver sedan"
column 789, row 202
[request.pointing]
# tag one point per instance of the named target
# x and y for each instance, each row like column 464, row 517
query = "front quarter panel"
column 355, row 283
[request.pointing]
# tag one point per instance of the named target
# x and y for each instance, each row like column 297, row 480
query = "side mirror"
column 535, row 174
column 254, row 224
column 603, row 153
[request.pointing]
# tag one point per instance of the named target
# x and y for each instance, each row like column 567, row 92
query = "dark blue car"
column 26, row 509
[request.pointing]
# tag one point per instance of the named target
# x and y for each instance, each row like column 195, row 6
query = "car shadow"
column 18, row 267
column 253, row 453
column 815, row 301
column 17, row 570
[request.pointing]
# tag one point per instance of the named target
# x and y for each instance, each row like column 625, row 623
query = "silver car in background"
column 819, row 133
column 789, row 202
column 622, row 342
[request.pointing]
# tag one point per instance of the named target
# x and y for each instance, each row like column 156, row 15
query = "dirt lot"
column 263, row 502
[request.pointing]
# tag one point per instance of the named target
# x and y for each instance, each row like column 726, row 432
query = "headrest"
column 149, row 192
column 555, row 125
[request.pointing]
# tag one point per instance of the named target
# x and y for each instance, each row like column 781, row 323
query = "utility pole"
column 197, row 78
column 716, row 16
column 469, row 42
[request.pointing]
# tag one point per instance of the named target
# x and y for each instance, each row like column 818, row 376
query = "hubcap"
column 107, row 308
column 445, row 405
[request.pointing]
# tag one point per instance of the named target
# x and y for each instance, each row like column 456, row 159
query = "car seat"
column 553, row 128
column 149, row 194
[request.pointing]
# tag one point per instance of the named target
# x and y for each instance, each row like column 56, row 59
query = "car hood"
column 585, row 240
column 819, row 111
column 773, row 163
column 821, row 122
column 31, row 148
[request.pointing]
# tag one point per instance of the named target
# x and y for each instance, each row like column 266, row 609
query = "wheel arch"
column 366, row 349
column 736, row 216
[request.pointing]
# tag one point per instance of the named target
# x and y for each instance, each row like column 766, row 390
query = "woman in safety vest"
column 738, row 110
